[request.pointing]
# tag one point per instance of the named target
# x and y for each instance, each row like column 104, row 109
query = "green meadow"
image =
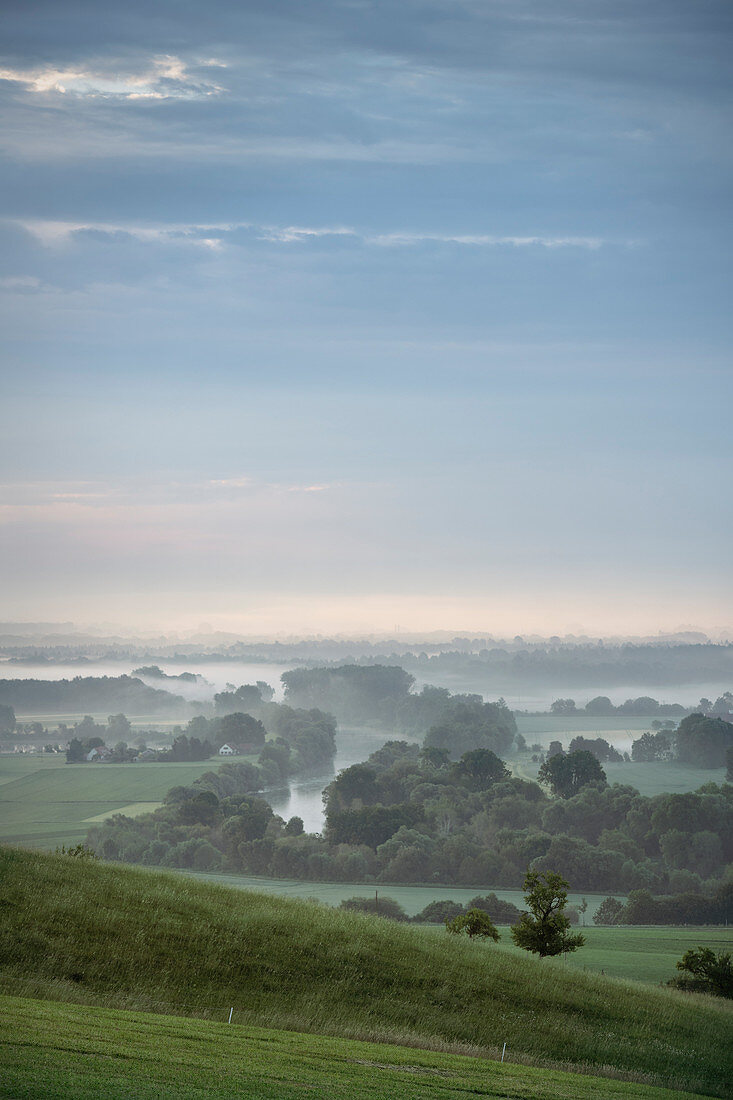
column 46, row 802
column 649, row 779
column 644, row 954
column 75, row 1052
column 412, row 898
column 125, row 938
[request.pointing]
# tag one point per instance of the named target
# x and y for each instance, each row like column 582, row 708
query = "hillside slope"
column 128, row 938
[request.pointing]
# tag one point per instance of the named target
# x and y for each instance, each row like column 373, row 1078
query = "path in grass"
column 74, row 1052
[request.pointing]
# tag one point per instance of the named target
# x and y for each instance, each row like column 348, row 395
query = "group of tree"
column 299, row 741
column 87, row 735
column 383, row 694
column 412, row 815
column 543, row 928
column 699, row 740
column 580, row 663
column 435, row 912
column 95, row 694
column 354, row 693
column 643, row 706
column 155, row 672
column 641, row 907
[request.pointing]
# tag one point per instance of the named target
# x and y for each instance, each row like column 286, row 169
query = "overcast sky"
column 348, row 315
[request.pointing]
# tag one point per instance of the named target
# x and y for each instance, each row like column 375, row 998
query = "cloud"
column 22, row 283
column 163, row 77
column 64, row 501
column 485, row 239
column 213, row 236
column 291, row 233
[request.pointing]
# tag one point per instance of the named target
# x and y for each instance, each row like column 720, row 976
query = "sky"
column 360, row 316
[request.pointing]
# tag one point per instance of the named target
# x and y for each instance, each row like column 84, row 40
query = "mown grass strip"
column 62, row 1052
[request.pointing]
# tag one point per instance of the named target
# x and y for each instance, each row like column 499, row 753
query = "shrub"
column 438, row 912
column 476, row 922
column 380, row 907
column 711, row 973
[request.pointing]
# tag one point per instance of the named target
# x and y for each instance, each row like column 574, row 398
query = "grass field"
column 137, row 721
column 73, row 1052
column 642, row 954
column 648, row 779
column 645, row 954
column 411, row 898
column 46, row 802
column 85, row 932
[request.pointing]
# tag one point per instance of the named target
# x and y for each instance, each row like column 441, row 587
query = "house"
column 146, row 754
column 96, row 756
column 227, row 750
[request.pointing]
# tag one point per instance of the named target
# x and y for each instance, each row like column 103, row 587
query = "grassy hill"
column 128, row 938
column 73, row 1052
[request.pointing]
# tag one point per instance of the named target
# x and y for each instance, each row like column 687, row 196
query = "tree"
column 565, row 775
column 601, row 705
column 610, row 911
column 7, row 720
column 544, row 929
column 598, row 747
column 704, row 741
column 583, row 908
column 479, row 769
column 467, row 723
column 711, row 973
column 241, row 729
column 118, row 726
column 436, row 758
column 248, row 697
column 652, row 746
column 563, row 706
column 476, row 922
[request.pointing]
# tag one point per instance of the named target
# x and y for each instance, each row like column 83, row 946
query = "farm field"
column 411, row 898
column 644, row 953
column 118, row 1054
column 45, row 802
column 550, row 727
column 648, row 779
column 137, row 721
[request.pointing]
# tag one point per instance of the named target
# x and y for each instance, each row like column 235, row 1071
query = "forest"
column 445, row 813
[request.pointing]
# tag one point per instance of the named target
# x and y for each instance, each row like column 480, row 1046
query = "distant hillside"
column 90, row 695
column 81, row 930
